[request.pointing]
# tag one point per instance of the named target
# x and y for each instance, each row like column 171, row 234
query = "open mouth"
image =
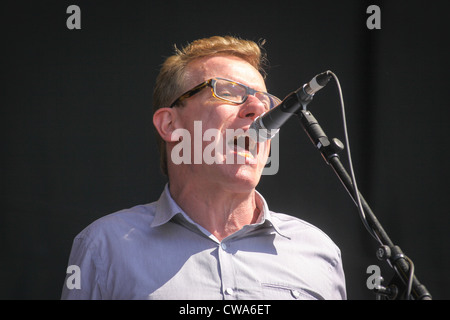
column 244, row 145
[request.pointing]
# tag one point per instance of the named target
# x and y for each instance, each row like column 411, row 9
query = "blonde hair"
column 171, row 78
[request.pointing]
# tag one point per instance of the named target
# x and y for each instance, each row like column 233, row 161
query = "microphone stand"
column 404, row 282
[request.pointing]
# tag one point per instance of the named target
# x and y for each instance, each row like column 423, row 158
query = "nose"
column 252, row 108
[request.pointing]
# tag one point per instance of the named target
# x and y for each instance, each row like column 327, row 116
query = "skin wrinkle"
column 233, row 217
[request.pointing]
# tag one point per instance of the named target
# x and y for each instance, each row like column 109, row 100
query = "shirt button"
column 224, row 246
column 229, row 291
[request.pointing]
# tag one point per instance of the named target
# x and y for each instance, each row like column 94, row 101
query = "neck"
column 222, row 212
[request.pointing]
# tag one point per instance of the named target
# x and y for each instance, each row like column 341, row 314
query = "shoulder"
column 303, row 231
column 118, row 224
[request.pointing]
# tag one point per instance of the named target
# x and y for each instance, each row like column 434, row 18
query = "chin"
column 242, row 177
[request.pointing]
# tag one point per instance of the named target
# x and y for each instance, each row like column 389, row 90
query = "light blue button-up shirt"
column 155, row 251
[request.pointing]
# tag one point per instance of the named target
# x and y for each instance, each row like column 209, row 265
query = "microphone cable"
column 350, row 162
column 407, row 293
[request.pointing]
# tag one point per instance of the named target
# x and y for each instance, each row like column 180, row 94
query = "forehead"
column 224, row 66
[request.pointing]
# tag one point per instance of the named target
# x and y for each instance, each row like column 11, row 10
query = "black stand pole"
column 404, row 281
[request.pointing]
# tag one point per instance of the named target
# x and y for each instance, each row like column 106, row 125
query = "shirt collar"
column 266, row 216
column 167, row 209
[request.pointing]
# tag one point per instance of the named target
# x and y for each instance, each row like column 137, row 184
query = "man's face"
column 236, row 166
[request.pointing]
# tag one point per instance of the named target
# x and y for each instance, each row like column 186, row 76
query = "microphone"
column 267, row 125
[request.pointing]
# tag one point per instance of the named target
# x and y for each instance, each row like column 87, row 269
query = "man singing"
column 210, row 235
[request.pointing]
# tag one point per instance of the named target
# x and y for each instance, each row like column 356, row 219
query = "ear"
column 164, row 122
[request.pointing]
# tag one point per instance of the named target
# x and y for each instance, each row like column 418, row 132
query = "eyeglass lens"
column 237, row 93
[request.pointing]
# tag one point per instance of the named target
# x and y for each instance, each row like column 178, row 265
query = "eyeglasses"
column 230, row 91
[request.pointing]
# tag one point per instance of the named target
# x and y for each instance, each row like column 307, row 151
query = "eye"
column 226, row 94
column 230, row 91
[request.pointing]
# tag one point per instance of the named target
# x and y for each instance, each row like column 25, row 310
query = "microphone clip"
column 328, row 148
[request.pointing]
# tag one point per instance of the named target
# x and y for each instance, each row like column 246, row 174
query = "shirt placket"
column 227, row 272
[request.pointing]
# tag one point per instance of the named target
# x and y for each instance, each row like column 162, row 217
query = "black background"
column 77, row 136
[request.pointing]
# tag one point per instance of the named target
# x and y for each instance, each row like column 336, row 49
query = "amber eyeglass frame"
column 274, row 101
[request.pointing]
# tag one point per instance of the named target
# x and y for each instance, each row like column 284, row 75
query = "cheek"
column 211, row 116
column 198, row 122
column 218, row 122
